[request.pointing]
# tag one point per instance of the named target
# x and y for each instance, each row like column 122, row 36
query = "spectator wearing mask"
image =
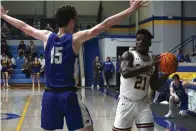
column 108, row 70
column 21, row 49
column 187, row 58
column 179, row 56
column 26, row 68
column 42, row 62
column 118, row 72
column 97, row 67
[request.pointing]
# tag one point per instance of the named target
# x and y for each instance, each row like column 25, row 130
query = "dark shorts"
column 59, row 105
column 4, row 69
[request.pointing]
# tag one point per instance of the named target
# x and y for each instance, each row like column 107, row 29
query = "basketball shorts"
column 183, row 101
column 4, row 69
column 129, row 111
column 68, row 105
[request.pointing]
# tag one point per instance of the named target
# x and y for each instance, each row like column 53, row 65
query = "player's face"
column 176, row 82
column 142, row 43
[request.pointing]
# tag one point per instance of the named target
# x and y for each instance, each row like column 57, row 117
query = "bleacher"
column 18, row 77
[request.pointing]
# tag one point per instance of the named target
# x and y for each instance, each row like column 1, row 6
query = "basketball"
column 168, row 63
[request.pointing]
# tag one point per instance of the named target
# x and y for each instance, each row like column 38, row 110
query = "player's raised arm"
column 82, row 36
column 38, row 34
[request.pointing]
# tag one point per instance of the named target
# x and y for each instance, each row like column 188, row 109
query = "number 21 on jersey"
column 56, row 55
column 140, row 83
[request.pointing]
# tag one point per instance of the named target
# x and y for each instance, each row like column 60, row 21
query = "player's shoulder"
column 127, row 55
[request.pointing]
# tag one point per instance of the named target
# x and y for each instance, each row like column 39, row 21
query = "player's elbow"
column 126, row 74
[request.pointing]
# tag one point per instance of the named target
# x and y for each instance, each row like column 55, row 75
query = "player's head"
column 143, row 40
column 66, row 17
column 176, row 79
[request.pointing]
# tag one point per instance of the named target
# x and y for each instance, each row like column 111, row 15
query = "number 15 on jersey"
column 56, row 55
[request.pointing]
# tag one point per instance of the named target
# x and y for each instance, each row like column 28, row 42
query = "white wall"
column 188, row 28
column 24, row 7
column 145, row 12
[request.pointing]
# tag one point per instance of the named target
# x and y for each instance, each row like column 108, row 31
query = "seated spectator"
column 31, row 50
column 21, row 49
column 42, row 62
column 4, row 47
column 179, row 56
column 13, row 61
column 5, row 30
column 26, row 68
column 187, row 59
column 36, row 72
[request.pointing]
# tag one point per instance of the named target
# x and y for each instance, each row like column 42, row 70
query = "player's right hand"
column 154, row 62
column 3, row 11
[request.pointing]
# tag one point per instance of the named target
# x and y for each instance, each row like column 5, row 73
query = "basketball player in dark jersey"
column 60, row 99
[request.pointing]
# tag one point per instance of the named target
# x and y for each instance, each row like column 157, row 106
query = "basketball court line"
column 23, row 114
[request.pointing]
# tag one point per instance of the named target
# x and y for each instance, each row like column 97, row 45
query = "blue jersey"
column 59, row 61
column 180, row 91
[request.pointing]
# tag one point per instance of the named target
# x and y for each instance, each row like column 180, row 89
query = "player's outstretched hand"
column 134, row 4
column 3, row 11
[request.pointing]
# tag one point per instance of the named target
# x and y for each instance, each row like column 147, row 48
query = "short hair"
column 64, row 15
column 145, row 32
column 176, row 76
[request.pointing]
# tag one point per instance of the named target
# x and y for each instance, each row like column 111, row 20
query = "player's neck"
column 64, row 30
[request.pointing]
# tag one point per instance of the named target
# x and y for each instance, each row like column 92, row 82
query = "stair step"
column 18, row 76
column 17, row 71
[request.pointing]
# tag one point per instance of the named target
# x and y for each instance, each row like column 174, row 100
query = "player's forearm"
column 17, row 23
column 129, row 72
column 110, row 21
column 160, row 82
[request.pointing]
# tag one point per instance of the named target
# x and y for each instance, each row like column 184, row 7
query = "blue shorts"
column 4, row 69
column 57, row 106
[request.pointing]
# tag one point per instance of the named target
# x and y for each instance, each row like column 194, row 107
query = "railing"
column 184, row 43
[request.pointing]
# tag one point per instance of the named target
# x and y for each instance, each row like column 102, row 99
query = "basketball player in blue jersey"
column 178, row 95
column 60, row 98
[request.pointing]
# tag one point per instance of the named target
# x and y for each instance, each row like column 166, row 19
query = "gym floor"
column 20, row 111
